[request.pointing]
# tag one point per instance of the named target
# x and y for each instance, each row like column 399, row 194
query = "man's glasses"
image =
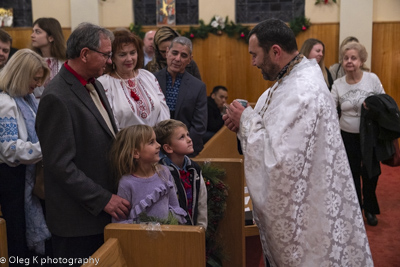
column 105, row 55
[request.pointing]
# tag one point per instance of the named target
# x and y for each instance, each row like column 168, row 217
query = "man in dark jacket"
column 215, row 105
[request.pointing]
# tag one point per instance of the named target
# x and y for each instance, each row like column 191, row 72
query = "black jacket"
column 379, row 126
column 215, row 121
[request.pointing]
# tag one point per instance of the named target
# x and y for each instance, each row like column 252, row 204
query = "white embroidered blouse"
column 150, row 106
column 14, row 147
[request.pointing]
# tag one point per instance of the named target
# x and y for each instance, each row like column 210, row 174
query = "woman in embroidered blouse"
column 49, row 42
column 349, row 92
column 147, row 185
column 19, row 151
column 134, row 93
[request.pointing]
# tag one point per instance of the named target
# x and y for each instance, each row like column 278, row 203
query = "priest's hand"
column 232, row 117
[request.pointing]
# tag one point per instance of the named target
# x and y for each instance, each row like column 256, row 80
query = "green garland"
column 217, row 26
column 217, row 192
column 324, row 1
column 137, row 29
column 299, row 24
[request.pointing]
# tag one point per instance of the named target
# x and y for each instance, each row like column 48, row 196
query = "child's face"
column 181, row 143
column 149, row 153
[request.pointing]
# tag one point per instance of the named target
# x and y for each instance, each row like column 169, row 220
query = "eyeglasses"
column 105, row 55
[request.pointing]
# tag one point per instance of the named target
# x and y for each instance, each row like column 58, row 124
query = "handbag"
column 38, row 188
column 394, row 161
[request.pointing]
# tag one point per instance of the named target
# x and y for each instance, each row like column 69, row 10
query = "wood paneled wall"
column 226, row 61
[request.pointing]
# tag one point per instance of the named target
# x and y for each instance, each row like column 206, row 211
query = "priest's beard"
column 269, row 69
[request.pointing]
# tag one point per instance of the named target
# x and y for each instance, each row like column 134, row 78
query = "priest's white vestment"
column 298, row 175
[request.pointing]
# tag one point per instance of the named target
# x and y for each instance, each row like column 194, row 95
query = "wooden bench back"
column 3, row 241
column 167, row 245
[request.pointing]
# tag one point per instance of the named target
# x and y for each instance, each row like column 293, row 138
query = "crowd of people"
column 113, row 121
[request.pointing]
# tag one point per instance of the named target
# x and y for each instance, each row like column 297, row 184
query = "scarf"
column 36, row 228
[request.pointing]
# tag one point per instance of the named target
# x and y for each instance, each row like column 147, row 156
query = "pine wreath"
column 217, row 192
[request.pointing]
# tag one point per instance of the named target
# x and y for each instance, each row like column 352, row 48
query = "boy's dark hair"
column 164, row 131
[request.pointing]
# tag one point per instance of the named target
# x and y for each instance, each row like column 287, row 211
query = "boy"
column 176, row 144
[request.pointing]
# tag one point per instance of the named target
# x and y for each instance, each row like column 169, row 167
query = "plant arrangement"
column 324, row 1
column 217, row 26
column 299, row 24
column 217, row 192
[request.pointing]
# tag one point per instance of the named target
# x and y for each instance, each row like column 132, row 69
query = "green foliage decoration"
column 323, row 1
column 171, row 220
column 137, row 29
column 217, row 26
column 299, row 24
column 217, row 192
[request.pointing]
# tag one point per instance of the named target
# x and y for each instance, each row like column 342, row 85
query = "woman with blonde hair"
column 314, row 48
column 19, row 151
column 162, row 41
column 49, row 42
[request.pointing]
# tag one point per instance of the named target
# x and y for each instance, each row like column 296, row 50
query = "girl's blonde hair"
column 126, row 142
column 19, row 70
column 306, row 49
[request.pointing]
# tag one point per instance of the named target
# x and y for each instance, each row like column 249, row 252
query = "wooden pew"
column 108, row 255
column 169, row 245
column 3, row 242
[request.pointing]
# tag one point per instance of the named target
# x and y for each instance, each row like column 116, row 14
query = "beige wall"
column 386, row 10
column 119, row 13
column 59, row 9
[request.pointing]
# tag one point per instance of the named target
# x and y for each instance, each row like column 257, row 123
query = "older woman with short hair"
column 349, row 92
column 134, row 93
column 19, row 151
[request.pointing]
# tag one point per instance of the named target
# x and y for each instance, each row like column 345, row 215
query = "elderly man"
column 76, row 127
column 148, row 46
column 186, row 95
column 298, row 175
column 5, row 47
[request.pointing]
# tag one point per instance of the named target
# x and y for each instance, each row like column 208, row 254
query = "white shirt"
column 151, row 107
column 351, row 96
column 14, row 147
column 299, row 179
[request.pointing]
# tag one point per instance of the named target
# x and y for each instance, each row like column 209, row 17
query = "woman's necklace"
column 130, row 85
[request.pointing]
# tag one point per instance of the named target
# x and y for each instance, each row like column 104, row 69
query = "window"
column 254, row 11
column 22, row 11
column 187, row 11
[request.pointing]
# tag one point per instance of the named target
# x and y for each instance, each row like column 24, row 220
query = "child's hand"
column 118, row 207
